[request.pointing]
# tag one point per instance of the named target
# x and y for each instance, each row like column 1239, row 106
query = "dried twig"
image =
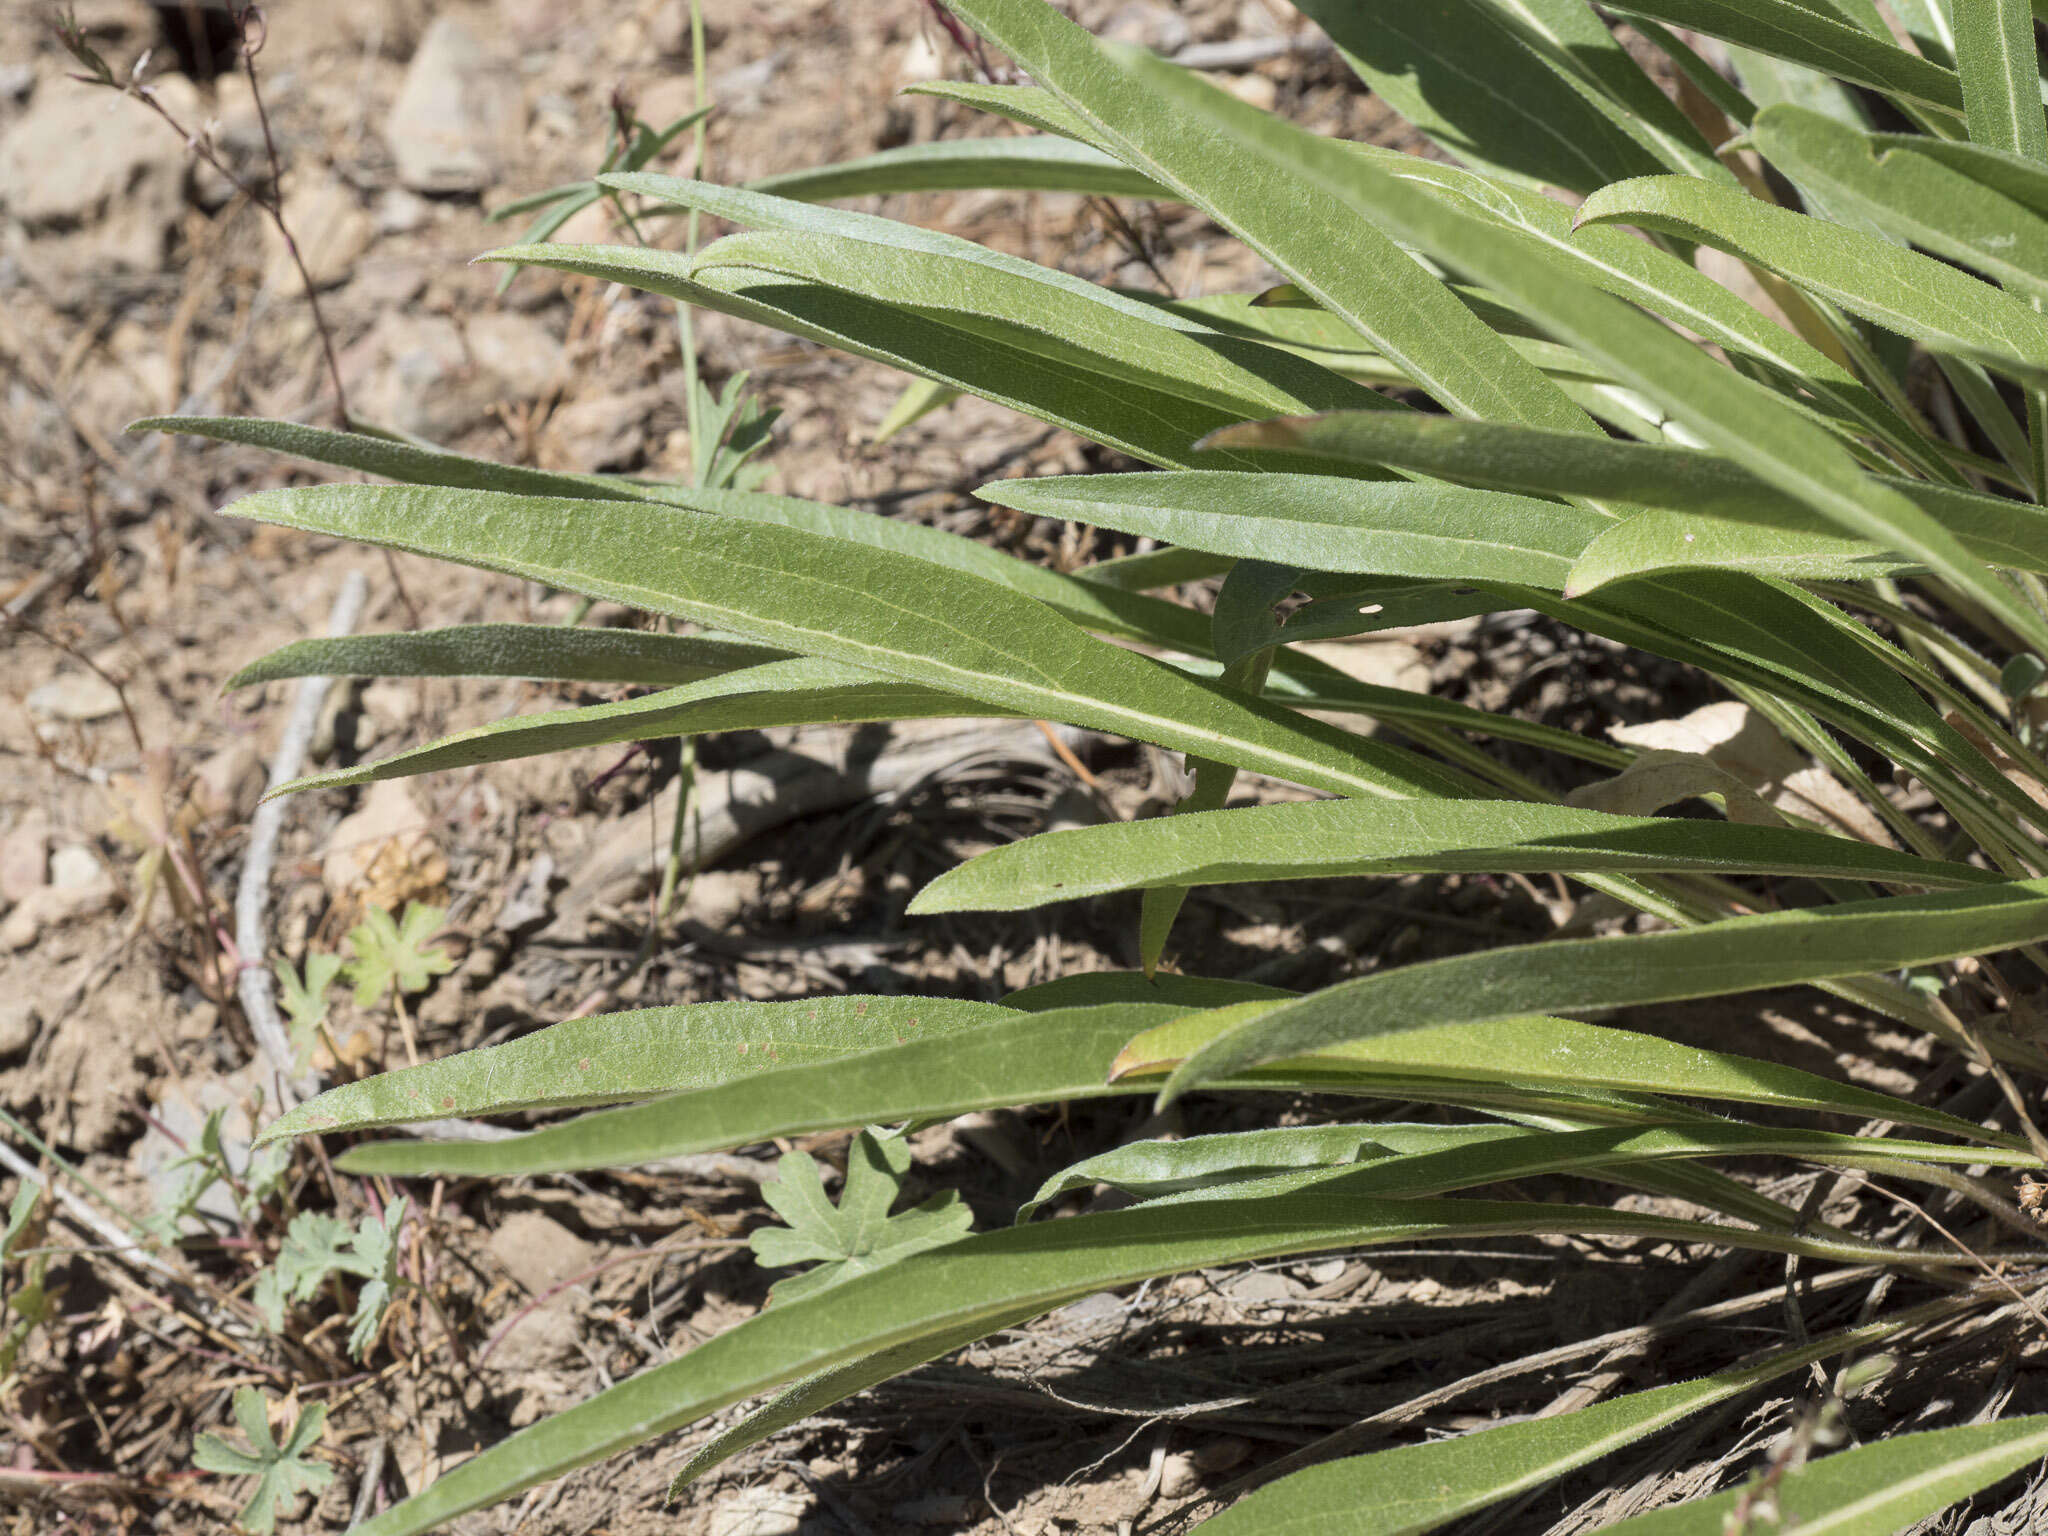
column 253, row 891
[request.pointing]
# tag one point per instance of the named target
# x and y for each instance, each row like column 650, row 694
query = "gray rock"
column 458, row 114
column 19, row 1022
column 95, row 181
column 76, row 869
column 75, row 696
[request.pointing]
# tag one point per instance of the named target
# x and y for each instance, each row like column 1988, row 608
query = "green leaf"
column 818, row 595
column 1322, row 523
column 1417, row 1488
column 1086, row 989
column 305, row 1001
column 375, row 1258
column 1913, row 196
column 1914, row 295
column 1095, row 604
column 1046, row 163
column 1012, row 1060
column 398, row 953
column 1703, row 487
column 919, row 399
column 858, row 1235
column 315, row 1246
column 800, row 691
column 282, row 1472
column 1560, row 1053
column 1875, row 1489
column 614, row 1057
column 1147, row 1170
column 1333, row 838
column 1735, row 955
column 19, row 1210
column 551, row 651
column 1536, row 90
column 984, row 1282
column 1259, row 192
column 1813, row 38
column 1726, row 410
column 2024, row 181
column 2001, row 74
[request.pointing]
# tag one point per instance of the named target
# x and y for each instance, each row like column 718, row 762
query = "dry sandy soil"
column 136, row 281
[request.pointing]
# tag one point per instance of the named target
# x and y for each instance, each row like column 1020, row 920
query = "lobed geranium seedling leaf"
column 858, row 1234
column 399, row 953
column 305, row 999
column 282, row 1472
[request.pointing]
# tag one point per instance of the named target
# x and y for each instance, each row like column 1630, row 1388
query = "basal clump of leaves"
column 1830, row 507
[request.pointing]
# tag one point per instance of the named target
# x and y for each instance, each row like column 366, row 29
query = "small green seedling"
column 858, row 1234
column 282, row 1472
column 397, row 953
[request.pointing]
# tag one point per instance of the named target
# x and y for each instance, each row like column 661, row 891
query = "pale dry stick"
column 253, row 891
column 118, row 1242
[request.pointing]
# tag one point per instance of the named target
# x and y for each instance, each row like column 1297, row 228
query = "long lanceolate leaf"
column 886, row 1062
column 1097, row 605
column 2001, row 75
column 1899, row 289
column 1326, row 839
column 1915, row 196
column 1702, row 486
column 1325, row 523
column 868, row 608
column 552, row 651
column 1046, row 163
column 1729, row 412
column 1504, row 86
column 1350, row 266
column 800, row 691
column 617, row 1057
column 1736, row 955
column 1411, row 1489
column 1873, row 1490
column 981, row 1283
column 1815, row 38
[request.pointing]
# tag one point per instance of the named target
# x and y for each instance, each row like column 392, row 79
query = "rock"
column 759, row 1511
column 546, row 1336
column 457, row 116
column 76, row 152
column 19, row 1023
column 75, row 868
column 540, row 1253
column 51, row 906
column 331, row 230
column 25, row 857
column 95, row 181
column 228, row 784
column 400, row 212
column 75, row 696
column 528, row 905
column 601, row 431
column 391, row 703
column 1158, row 27
column 1178, row 1476
column 385, row 853
column 183, row 1118
column 1264, row 1286
column 421, row 375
